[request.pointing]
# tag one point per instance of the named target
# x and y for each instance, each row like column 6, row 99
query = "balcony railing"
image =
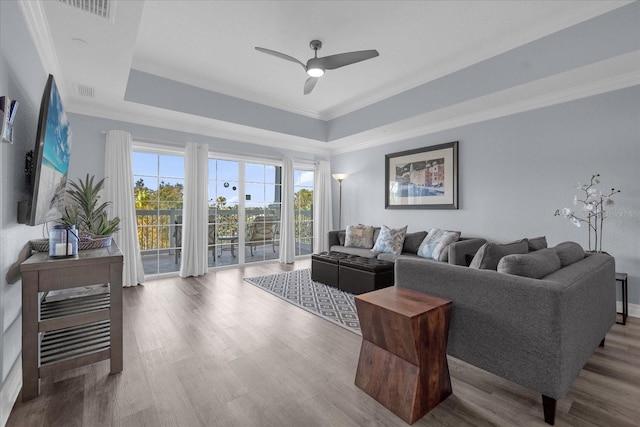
column 160, row 229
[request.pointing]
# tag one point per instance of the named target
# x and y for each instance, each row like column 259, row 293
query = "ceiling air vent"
column 102, row 8
column 86, row 91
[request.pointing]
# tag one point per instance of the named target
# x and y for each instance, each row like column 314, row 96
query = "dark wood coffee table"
column 403, row 361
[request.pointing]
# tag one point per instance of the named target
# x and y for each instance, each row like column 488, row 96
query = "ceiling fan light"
column 315, row 72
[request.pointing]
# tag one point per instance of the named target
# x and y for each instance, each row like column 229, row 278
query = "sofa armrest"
column 460, row 250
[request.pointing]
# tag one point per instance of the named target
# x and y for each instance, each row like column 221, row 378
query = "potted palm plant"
column 87, row 213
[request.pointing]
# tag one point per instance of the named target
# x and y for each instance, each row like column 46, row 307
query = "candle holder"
column 63, row 242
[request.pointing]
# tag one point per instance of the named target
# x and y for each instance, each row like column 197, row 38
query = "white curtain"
column 118, row 188
column 194, row 212
column 322, row 208
column 287, row 226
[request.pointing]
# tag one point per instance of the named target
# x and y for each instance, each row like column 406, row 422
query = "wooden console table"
column 403, row 361
column 62, row 335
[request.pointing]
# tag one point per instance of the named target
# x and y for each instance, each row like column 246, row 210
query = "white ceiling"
column 210, row 44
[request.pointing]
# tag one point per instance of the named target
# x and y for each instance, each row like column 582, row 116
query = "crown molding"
column 38, row 27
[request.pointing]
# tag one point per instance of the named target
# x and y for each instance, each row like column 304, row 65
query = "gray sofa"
column 536, row 332
column 459, row 253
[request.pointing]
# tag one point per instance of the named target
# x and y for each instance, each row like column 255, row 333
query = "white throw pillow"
column 437, row 241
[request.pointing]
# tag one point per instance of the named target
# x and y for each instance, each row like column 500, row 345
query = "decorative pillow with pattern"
column 359, row 236
column 436, row 242
column 390, row 240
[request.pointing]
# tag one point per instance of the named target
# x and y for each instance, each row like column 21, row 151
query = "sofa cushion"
column 412, row 241
column 569, row 252
column 341, row 236
column 390, row 240
column 489, row 254
column 537, row 243
column 359, row 236
column 436, row 242
column 535, row 264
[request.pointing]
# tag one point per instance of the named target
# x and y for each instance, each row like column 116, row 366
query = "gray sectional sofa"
column 459, row 253
column 536, row 332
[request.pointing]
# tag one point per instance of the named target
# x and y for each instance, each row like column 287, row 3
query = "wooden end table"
column 403, row 361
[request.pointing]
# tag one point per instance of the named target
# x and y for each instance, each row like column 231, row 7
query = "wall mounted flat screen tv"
column 50, row 159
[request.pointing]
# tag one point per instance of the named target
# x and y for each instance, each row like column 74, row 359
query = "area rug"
column 297, row 288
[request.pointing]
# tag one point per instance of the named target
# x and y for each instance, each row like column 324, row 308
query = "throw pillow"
column 537, row 264
column 359, row 236
column 489, row 254
column 537, row 243
column 436, row 242
column 390, row 240
column 341, row 237
column 412, row 241
column 569, row 252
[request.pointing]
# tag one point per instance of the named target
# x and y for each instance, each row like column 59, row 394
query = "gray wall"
column 23, row 78
column 516, row 171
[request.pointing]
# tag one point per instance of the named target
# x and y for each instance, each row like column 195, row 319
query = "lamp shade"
column 340, row 176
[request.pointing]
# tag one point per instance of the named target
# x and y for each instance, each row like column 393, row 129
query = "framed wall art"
column 424, row 178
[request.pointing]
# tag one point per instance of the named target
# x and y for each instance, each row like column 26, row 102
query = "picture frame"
column 424, row 178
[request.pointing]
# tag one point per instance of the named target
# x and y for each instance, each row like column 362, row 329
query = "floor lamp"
column 340, row 177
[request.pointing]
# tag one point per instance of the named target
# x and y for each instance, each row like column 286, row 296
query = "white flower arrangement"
column 593, row 204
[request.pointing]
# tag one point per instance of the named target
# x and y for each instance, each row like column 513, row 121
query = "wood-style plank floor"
column 217, row 351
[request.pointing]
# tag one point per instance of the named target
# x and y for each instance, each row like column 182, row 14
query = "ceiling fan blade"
column 280, row 55
column 310, row 84
column 332, row 62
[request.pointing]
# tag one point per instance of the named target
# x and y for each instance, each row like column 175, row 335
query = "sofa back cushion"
column 412, row 241
column 537, row 243
column 490, row 254
column 437, row 242
column 359, row 236
column 390, row 240
column 537, row 264
column 569, row 252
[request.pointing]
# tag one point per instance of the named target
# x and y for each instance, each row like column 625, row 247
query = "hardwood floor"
column 217, row 351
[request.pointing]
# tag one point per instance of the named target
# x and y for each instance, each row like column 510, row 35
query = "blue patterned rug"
column 325, row 301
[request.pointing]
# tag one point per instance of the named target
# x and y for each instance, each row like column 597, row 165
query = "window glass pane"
column 171, row 189
column 212, row 168
column 270, row 176
column 227, row 171
column 254, row 193
column 171, row 166
column 254, row 172
column 145, row 163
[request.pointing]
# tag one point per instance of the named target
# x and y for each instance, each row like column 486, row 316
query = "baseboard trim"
column 10, row 390
column 634, row 309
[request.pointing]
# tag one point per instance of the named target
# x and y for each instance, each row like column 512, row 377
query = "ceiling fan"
column 316, row 67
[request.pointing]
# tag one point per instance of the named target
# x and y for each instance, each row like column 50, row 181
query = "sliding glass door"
column 244, row 217
column 224, row 207
column 263, row 203
column 158, row 191
column 303, row 210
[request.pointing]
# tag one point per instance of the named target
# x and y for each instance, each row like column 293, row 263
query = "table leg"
column 115, row 327
column 30, row 376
